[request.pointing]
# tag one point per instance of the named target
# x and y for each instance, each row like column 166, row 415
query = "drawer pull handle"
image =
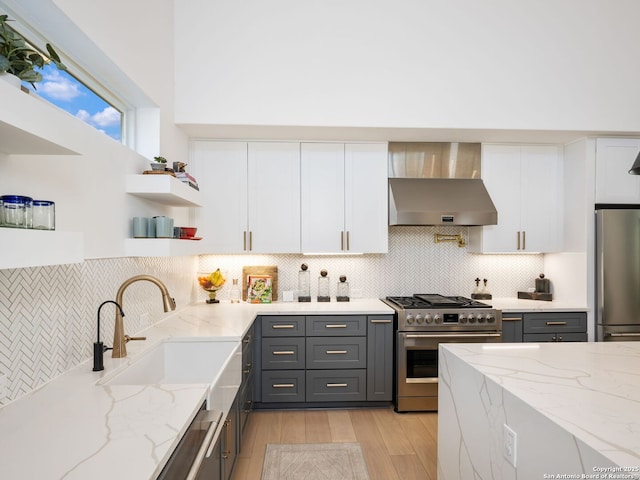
column 556, row 323
column 334, row 385
column 283, row 385
column 284, row 352
column 380, row 321
column 511, row 319
column 282, row 326
column 336, row 352
column 335, row 325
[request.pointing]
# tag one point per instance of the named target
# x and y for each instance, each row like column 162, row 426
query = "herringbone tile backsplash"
column 48, row 314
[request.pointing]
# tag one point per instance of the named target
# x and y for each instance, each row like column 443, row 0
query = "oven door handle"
column 207, row 444
column 456, row 335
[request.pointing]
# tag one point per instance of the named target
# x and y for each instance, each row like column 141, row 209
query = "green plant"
column 18, row 57
column 160, row 159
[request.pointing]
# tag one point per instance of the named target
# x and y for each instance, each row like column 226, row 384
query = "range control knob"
column 419, row 319
column 480, row 318
column 472, row 318
column 437, row 318
column 428, row 318
column 490, row 318
column 410, row 319
column 462, row 319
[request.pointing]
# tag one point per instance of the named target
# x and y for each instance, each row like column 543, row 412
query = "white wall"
column 495, row 64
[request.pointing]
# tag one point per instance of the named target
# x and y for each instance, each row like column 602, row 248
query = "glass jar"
column 342, row 294
column 16, row 211
column 304, row 284
column 44, row 215
column 234, row 294
column 323, row 287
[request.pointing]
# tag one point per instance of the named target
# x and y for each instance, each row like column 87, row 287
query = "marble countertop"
column 591, row 390
column 76, row 427
column 514, row 304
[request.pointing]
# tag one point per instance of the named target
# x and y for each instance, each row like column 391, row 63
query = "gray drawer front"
column 283, row 353
column 555, row 337
column 555, row 322
column 283, row 326
column 336, row 386
column 283, row 386
column 336, row 352
column 336, row 325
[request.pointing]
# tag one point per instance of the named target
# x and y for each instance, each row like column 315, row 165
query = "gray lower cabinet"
column 544, row 327
column 324, row 358
column 511, row 327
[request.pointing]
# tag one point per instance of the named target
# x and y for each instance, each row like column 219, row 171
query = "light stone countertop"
column 73, row 427
column 590, row 390
column 514, row 304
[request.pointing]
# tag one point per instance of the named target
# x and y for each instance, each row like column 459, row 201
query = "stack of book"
column 187, row 179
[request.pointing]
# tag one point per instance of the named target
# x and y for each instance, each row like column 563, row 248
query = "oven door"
column 417, row 365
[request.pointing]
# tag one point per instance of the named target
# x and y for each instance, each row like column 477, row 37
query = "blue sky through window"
column 64, row 91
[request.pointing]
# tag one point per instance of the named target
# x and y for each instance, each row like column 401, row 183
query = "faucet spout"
column 119, row 337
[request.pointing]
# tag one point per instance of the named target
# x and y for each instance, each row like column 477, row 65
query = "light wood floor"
column 395, row 445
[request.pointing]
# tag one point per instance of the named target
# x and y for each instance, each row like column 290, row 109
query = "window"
column 68, row 93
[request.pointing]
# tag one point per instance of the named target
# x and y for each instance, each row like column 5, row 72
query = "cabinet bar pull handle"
column 518, row 240
column 288, row 325
column 335, row 325
column 336, row 352
column 247, row 339
column 250, row 241
column 524, row 240
column 555, row 323
column 348, row 247
column 244, row 240
column 334, row 385
column 342, row 240
column 622, row 334
column 227, row 452
column 511, row 319
column 283, row 385
column 284, row 352
column 248, row 368
column 380, row 321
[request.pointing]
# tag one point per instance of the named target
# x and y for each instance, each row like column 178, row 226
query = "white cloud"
column 58, row 87
column 106, row 118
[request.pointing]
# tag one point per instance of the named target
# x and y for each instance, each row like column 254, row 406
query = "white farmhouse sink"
column 188, row 361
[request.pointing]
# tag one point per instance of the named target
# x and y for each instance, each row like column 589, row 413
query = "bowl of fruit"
column 211, row 283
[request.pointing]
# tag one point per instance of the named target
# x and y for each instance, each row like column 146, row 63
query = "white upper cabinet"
column 524, row 182
column 614, row 158
column 344, row 198
column 251, row 196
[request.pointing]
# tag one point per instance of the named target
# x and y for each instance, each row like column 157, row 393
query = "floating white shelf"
column 162, row 247
column 32, row 248
column 163, row 189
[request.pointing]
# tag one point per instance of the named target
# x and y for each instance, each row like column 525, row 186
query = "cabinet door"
column 221, row 171
column 541, row 202
column 614, row 158
column 366, row 198
column 380, row 344
column 274, row 197
column 322, row 193
column 511, row 327
column 501, row 176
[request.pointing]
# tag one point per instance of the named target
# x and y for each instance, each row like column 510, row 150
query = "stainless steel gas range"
column 423, row 322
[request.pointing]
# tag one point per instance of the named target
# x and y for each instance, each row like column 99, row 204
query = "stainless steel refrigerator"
column 618, row 272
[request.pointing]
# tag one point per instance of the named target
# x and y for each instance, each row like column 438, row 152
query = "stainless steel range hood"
column 438, row 184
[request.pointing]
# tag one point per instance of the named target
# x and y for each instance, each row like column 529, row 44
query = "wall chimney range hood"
column 438, row 184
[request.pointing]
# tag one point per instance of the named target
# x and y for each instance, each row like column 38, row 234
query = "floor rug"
column 314, row 461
